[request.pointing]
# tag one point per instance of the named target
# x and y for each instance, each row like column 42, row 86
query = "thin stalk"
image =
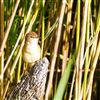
column 78, row 24
column 81, row 49
column 21, row 33
column 1, row 39
column 58, row 33
column 90, row 79
column 87, row 55
column 89, row 94
column 9, row 27
column 1, row 21
column 55, row 25
column 98, row 21
column 33, row 20
column 43, row 26
column 66, row 34
column 6, row 89
column 97, row 52
column 2, row 80
column 90, row 43
column 72, row 85
column 19, row 69
column 77, row 45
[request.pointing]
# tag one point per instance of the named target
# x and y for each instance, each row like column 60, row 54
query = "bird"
column 31, row 51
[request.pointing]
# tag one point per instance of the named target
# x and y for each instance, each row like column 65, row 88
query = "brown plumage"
column 31, row 35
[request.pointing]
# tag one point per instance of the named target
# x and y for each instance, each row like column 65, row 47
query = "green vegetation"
column 69, row 31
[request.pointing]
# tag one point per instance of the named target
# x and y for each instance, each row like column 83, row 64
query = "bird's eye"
column 31, row 36
column 39, row 42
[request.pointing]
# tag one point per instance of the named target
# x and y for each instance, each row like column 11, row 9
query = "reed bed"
column 69, row 33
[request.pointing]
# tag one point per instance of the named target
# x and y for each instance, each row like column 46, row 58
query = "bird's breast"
column 31, row 53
